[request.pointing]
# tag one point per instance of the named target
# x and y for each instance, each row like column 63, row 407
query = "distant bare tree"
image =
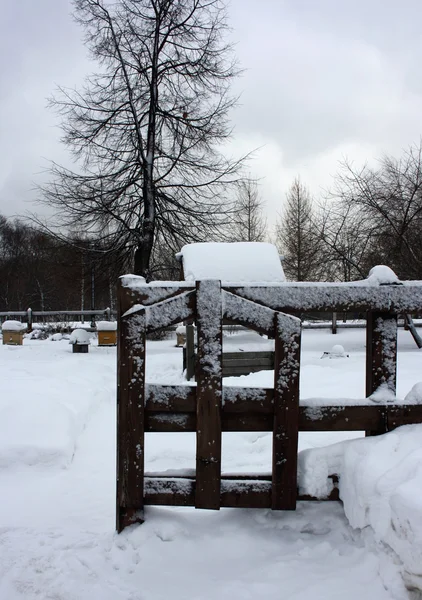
column 386, row 204
column 297, row 237
column 148, row 127
column 249, row 223
column 345, row 242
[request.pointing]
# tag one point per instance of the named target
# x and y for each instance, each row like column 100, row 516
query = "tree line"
column 148, row 133
column 371, row 215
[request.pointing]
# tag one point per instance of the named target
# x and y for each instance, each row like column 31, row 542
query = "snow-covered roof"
column 106, row 325
column 243, row 262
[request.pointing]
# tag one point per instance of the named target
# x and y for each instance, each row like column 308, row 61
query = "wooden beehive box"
column 107, row 338
column 107, row 333
column 13, row 333
column 12, row 338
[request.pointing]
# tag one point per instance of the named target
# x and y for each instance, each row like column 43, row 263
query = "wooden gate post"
column 286, row 412
column 381, row 355
column 130, row 413
column 209, row 394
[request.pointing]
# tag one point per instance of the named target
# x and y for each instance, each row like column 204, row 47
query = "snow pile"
column 415, row 394
column 382, row 275
column 13, row 326
column 240, row 262
column 337, row 351
column 380, row 486
column 43, row 432
column 79, row 336
column 106, row 326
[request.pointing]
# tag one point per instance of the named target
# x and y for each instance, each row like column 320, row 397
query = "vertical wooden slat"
column 381, row 355
column 286, row 412
column 209, row 394
column 190, row 351
column 130, row 413
column 334, row 323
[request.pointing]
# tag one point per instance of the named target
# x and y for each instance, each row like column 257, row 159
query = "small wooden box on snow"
column 13, row 333
column 79, row 338
column 107, row 333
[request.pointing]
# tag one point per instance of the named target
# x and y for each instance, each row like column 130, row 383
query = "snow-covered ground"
column 57, row 483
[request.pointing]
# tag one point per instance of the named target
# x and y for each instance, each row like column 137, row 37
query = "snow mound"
column 13, row 326
column 236, row 262
column 415, row 394
column 79, row 336
column 337, row 351
column 382, row 275
column 380, row 486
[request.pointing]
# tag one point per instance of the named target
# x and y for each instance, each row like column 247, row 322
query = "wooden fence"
column 210, row 409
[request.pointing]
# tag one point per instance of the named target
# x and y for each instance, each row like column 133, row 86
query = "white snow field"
column 57, row 485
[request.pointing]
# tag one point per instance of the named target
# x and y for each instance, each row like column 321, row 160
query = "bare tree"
column 387, row 204
column 146, row 129
column 345, row 242
column 249, row 223
column 296, row 235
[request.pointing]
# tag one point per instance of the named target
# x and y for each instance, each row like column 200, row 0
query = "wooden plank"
column 381, row 355
column 209, row 394
column 403, row 415
column 409, row 324
column 342, row 418
column 239, row 311
column 190, row 352
column 286, row 412
column 258, row 355
column 311, row 418
column 254, row 362
column 334, row 323
column 339, row 297
column 130, row 413
column 237, row 491
column 171, row 311
column 170, row 398
column 147, row 294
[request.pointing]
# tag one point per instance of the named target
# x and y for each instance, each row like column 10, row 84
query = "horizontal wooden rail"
column 173, row 408
column 334, row 297
column 236, row 491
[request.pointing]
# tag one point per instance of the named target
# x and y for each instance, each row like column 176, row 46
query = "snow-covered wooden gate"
column 209, row 409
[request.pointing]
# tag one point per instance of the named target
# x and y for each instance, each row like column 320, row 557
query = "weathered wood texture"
column 209, row 394
column 130, row 413
column 172, row 408
column 409, row 324
column 237, row 491
column 381, row 356
column 209, row 409
column 294, row 298
column 234, row 363
column 286, row 411
column 189, row 352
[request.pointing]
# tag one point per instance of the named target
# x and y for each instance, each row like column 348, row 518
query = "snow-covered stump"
column 131, row 351
column 286, row 412
column 209, row 394
column 13, row 333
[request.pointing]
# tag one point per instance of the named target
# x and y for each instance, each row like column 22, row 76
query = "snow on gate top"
column 243, row 262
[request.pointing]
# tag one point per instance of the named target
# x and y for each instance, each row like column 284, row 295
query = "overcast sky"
column 323, row 79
